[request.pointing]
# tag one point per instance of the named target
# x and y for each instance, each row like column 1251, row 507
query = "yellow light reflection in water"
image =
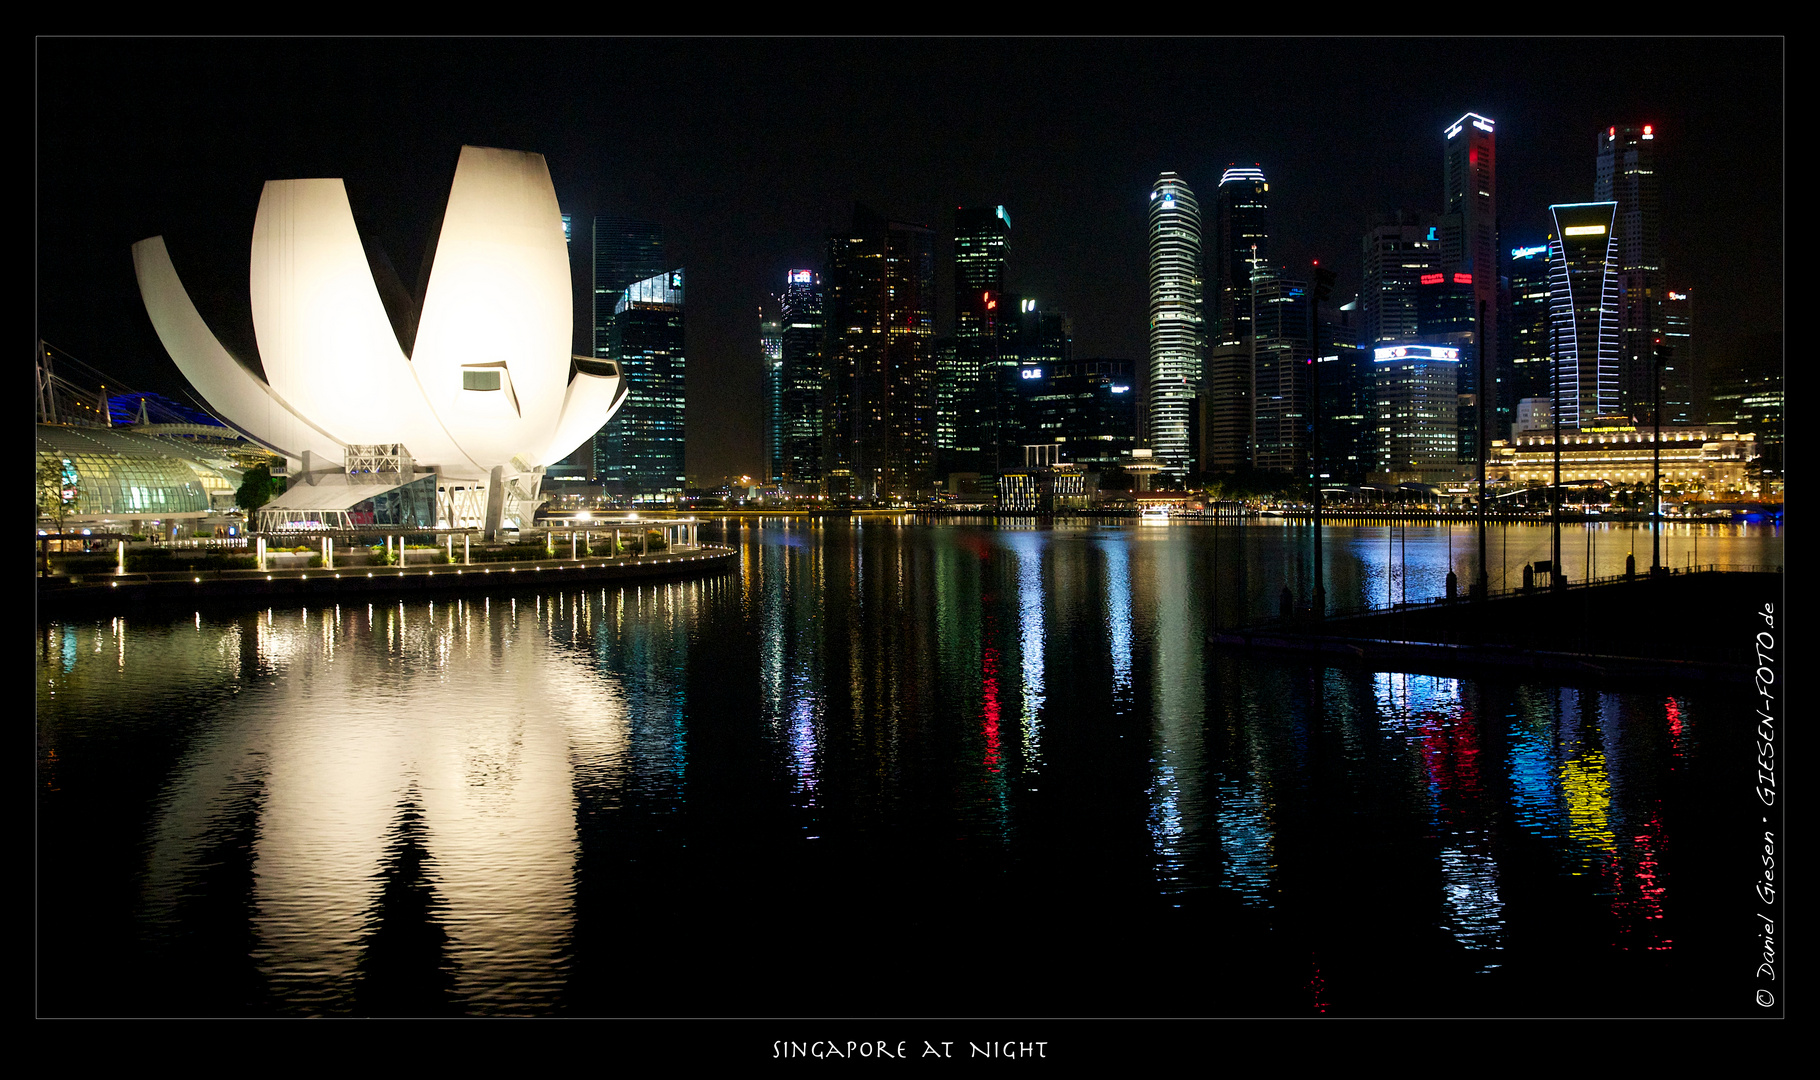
column 1587, row 789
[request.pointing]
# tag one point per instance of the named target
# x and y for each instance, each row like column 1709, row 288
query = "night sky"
column 750, row 151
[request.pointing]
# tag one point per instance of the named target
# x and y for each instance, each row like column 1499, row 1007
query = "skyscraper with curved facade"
column 1583, row 318
column 1176, row 326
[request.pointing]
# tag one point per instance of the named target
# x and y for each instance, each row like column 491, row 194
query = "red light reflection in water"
column 1637, row 907
column 991, row 708
column 1317, row 986
column 1673, row 709
column 1450, row 752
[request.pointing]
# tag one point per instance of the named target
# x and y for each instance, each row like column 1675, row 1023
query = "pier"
column 1690, row 625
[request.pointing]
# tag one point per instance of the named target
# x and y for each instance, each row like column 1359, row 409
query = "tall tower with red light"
column 1469, row 245
column 1626, row 174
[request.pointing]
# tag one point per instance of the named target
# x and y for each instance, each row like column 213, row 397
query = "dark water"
column 883, row 770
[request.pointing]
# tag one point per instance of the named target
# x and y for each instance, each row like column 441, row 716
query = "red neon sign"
column 1433, row 279
column 1462, row 279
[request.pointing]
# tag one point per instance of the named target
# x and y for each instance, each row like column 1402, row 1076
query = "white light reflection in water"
column 1178, row 753
column 789, row 654
column 1118, row 610
column 487, row 744
column 1027, row 548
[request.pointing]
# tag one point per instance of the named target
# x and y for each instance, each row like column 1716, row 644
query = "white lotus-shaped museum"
column 486, row 394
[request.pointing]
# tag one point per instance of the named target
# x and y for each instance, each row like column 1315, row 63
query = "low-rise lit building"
column 1045, row 484
column 1695, row 459
column 119, row 478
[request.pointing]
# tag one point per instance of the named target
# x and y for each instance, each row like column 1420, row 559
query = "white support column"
column 261, row 545
column 120, row 556
column 574, row 539
column 467, row 555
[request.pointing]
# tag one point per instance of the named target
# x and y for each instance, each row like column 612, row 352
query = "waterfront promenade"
column 61, row 593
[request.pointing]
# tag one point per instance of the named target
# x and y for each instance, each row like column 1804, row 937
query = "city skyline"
column 747, row 184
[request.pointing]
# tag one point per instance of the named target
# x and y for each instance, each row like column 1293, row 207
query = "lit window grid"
column 1175, row 320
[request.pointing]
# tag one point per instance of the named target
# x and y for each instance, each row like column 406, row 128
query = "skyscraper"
column 1279, row 439
column 1176, row 323
column 1626, row 174
column 771, row 353
column 1240, row 247
column 1528, row 335
column 1677, row 374
column 1583, row 320
column 1416, row 395
column 1088, row 408
column 1348, row 412
column 1445, row 317
column 966, row 382
column 1400, row 249
column 1032, row 342
column 802, row 375
column 625, row 251
column 642, row 450
column 1242, row 232
column 878, row 412
column 1469, row 245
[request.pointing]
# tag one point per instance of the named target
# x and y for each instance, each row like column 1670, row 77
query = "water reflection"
column 538, row 803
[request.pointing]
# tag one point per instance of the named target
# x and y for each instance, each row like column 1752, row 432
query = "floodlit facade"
column 1176, row 323
column 1716, row 464
column 479, row 385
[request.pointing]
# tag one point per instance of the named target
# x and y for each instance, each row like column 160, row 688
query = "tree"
column 57, row 489
column 257, row 487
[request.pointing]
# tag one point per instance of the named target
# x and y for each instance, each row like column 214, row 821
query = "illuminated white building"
column 1175, row 322
column 1704, row 461
column 477, row 389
